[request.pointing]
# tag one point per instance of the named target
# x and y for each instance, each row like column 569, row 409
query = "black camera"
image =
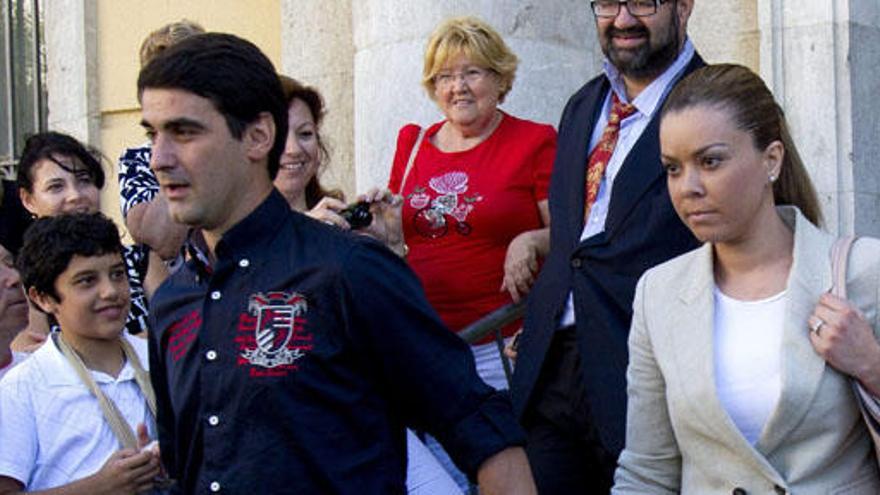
column 357, row 215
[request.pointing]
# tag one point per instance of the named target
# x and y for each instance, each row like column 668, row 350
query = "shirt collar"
column 255, row 232
column 649, row 99
column 197, row 251
column 60, row 373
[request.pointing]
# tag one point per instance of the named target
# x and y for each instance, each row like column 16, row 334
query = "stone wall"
column 92, row 51
column 821, row 59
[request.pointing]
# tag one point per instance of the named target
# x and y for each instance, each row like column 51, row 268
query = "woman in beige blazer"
column 740, row 362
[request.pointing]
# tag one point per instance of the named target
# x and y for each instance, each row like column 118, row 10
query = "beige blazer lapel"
column 694, row 343
column 802, row 368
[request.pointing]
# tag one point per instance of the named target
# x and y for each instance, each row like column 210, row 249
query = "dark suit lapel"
column 641, row 168
column 576, row 150
column 639, row 171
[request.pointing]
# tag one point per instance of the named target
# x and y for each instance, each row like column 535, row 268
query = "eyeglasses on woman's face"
column 470, row 75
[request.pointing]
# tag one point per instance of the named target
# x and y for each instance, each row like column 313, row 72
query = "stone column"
column 554, row 39
column 317, row 49
column 726, row 32
column 863, row 61
column 71, row 56
column 822, row 61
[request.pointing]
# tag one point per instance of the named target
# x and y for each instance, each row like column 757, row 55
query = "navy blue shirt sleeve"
column 164, row 415
column 428, row 371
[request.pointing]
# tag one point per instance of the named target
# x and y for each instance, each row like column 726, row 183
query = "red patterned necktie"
column 601, row 154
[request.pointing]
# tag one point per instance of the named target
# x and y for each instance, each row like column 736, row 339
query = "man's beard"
column 644, row 62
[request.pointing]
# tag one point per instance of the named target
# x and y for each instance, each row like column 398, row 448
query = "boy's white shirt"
column 52, row 429
column 17, row 358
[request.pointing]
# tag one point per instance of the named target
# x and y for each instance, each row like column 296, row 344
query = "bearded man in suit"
column 611, row 220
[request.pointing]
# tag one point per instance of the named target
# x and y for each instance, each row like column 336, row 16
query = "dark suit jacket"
column 641, row 230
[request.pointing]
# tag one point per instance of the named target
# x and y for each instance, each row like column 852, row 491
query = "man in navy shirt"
column 288, row 356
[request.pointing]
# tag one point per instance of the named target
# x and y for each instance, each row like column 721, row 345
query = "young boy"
column 57, row 434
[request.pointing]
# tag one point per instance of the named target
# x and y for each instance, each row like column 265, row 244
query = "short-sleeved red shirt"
column 461, row 210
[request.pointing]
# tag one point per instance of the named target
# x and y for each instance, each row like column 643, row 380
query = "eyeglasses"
column 470, row 75
column 636, row 8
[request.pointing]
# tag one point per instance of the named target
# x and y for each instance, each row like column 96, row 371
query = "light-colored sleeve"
column 651, row 460
column 869, row 403
column 18, row 431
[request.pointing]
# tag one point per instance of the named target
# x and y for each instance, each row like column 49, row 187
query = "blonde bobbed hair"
column 476, row 40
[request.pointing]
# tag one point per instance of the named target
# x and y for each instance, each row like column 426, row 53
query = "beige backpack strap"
column 412, row 158
column 120, row 427
column 141, row 376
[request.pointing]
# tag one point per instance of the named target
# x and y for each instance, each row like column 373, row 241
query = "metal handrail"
column 492, row 324
column 496, row 320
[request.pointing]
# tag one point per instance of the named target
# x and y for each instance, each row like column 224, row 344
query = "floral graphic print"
column 435, row 212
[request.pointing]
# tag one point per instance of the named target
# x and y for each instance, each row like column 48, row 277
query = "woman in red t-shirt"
column 473, row 189
column 474, row 186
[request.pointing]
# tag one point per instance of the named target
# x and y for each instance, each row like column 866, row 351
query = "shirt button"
column 244, row 263
column 215, row 295
column 215, row 486
column 576, row 263
column 213, row 420
column 211, row 355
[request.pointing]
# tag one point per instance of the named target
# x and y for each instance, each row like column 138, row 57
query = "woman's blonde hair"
column 476, row 40
column 741, row 92
column 166, row 36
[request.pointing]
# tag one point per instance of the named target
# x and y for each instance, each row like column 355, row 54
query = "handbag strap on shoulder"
column 839, row 258
column 412, row 157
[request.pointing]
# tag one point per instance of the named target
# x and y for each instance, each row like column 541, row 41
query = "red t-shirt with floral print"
column 461, row 210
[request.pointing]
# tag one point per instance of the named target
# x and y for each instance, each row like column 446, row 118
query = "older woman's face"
column 299, row 162
column 719, row 181
column 57, row 190
column 466, row 93
column 13, row 305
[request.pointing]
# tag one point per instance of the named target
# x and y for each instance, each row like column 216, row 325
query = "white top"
column 52, row 429
column 647, row 103
column 17, row 357
column 747, row 352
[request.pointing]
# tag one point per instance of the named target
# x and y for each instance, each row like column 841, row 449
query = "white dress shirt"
column 17, row 357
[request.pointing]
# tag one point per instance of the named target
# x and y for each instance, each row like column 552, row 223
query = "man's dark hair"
column 51, row 146
column 51, row 242
column 231, row 72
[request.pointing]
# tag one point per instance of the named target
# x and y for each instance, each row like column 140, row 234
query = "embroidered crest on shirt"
column 450, row 205
column 276, row 321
